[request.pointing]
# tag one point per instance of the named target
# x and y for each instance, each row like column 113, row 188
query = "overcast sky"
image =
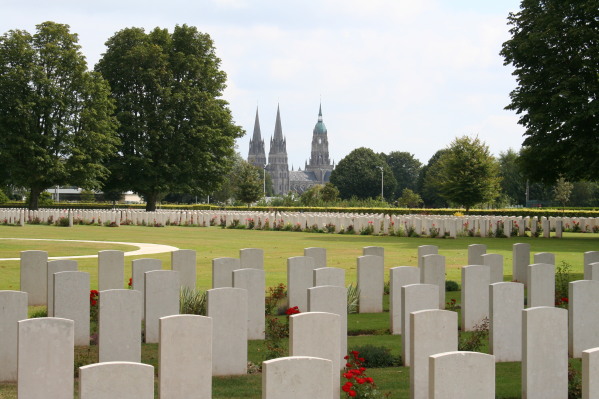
column 392, row 75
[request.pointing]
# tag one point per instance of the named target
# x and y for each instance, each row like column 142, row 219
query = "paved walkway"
column 143, row 248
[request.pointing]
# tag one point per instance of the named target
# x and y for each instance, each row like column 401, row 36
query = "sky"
column 391, row 75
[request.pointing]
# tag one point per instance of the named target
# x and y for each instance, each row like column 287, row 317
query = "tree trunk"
column 151, row 199
column 34, row 195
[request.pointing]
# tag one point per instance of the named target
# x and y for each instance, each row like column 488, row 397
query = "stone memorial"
column 329, row 276
column 544, row 257
column 541, row 285
column 451, row 375
column 426, row 250
column 583, row 316
column 71, row 301
column 299, row 279
column 222, row 271
column 119, row 326
column 318, row 254
column 475, row 296
column 13, row 308
column 378, row 251
column 122, row 380
column 371, row 282
column 111, row 270
column 161, row 299
column 55, row 266
column 253, row 281
column 590, row 370
column 251, row 258
column 183, row 261
column 495, row 263
column 297, row 377
column 415, row 297
column 589, row 258
column 34, row 276
column 398, row 277
column 520, row 262
column 331, row 299
column 433, row 272
column 506, row 302
column 475, row 253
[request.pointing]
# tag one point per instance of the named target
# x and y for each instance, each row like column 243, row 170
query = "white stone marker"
column 331, row 299
column 253, row 281
column 431, row 332
column 475, row 296
column 398, row 277
column 319, row 255
column 378, row 251
column 329, row 276
column 228, row 309
column 451, row 376
column 71, row 301
column 185, row 366
column 591, row 271
column 123, row 380
column 590, row 371
column 475, row 253
column 433, row 272
column 251, row 258
column 415, row 297
column 45, row 358
column 541, row 285
column 426, row 250
column 317, row 334
column 520, row 261
column 162, row 299
column 184, row 262
column 222, row 271
column 138, row 281
column 371, row 283
column 589, row 258
column 34, row 276
column 495, row 263
column 13, row 308
column 111, row 270
column 297, row 377
column 545, row 353
column 544, row 257
column 56, row 266
column 506, row 302
column 299, row 279
column 583, row 316
column 119, row 327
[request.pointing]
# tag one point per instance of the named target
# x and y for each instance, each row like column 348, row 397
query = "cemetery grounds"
column 342, row 252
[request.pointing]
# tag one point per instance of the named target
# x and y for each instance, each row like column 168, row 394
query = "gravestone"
column 520, row 262
column 451, row 375
column 371, row 282
column 590, row 370
column 299, row 279
column 111, row 270
column 297, row 377
column 161, row 299
column 431, row 332
column 119, row 326
column 45, row 358
column 123, row 380
column 251, row 258
column 544, row 257
column 317, row 334
column 318, row 254
column 591, row 271
column 415, row 297
column 138, row 269
column 475, row 296
column 183, row 261
column 541, row 285
column 331, row 299
column 426, row 250
column 378, row 251
column 505, row 321
column 589, row 258
column 495, row 263
column 433, row 272
column 34, row 276
column 475, row 253
column 13, row 308
column 545, row 353
column 228, row 308
column 329, row 276
column 222, row 271
column 583, row 316
column 253, row 281
column 398, row 277
column 55, row 266
column 185, row 367
column 71, row 301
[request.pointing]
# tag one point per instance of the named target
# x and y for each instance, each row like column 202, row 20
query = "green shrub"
column 378, row 356
column 192, row 301
column 474, row 341
column 353, row 298
column 41, row 312
column 451, row 285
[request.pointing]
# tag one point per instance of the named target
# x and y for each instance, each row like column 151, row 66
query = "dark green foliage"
column 378, row 356
column 248, row 183
column 428, row 182
column 554, row 49
column 475, row 340
column 405, row 168
column 451, row 285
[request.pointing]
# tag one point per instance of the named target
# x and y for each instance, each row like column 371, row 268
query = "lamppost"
column 381, row 168
column 264, row 180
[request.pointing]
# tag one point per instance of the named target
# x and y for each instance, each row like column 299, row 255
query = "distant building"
column 316, row 171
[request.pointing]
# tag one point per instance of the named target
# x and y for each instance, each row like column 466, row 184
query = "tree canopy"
column 554, row 49
column 428, row 182
column 177, row 133
column 406, row 170
column 56, row 118
column 359, row 175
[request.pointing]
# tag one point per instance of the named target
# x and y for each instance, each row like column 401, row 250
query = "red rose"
column 352, row 393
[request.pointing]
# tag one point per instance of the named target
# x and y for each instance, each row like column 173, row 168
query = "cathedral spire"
column 278, row 128
column 257, row 155
column 257, row 134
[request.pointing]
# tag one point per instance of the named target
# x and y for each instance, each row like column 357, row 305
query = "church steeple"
column 277, row 159
column 319, row 159
column 257, row 155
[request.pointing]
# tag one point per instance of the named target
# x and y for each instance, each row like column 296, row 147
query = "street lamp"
column 381, row 168
column 264, row 180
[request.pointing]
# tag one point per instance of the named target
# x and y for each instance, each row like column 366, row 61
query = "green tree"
column 554, row 48
column 358, row 175
column 56, row 118
column 429, row 182
column 513, row 181
column 585, row 193
column 468, row 173
column 248, row 184
column 562, row 191
column 88, row 196
column 406, row 170
column 329, row 193
column 409, row 199
column 320, row 195
column 177, row 132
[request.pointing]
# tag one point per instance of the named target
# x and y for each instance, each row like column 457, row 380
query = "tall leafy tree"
column 248, row 184
column 56, row 118
column 429, row 182
column 359, row 175
column 406, row 170
column 177, row 132
column 468, row 173
column 554, row 49
column 513, row 181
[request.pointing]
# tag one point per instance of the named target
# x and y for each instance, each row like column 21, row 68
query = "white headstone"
column 319, row 255
column 161, row 299
column 475, row 253
column 119, row 326
column 371, row 283
column 123, row 380
column 34, row 276
column 589, row 258
column 432, row 271
column 495, row 263
column 222, row 271
column 71, row 301
column 329, row 276
column 590, row 370
column 253, row 281
column 55, row 266
column 13, row 308
column 426, row 250
column 506, row 302
column 297, row 377
column 398, row 277
column 541, row 285
column 583, row 316
column 251, row 258
column 299, row 279
column 451, row 375
column 520, row 262
column 331, row 299
column 544, row 257
column 111, row 270
column 184, row 262
column 415, row 297
column 475, row 296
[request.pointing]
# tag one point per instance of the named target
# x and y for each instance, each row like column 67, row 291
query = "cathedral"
column 316, row 171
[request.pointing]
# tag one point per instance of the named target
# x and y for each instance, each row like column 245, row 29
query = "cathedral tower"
column 257, row 155
column 277, row 159
column 320, row 163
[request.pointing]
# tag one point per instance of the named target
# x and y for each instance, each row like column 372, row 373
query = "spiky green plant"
column 353, row 298
column 192, row 301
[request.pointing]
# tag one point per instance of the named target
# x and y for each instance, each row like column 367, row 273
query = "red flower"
column 130, row 281
column 565, row 300
column 292, row 311
column 347, row 387
column 352, row 393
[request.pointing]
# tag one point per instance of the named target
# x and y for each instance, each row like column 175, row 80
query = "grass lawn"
column 342, row 251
